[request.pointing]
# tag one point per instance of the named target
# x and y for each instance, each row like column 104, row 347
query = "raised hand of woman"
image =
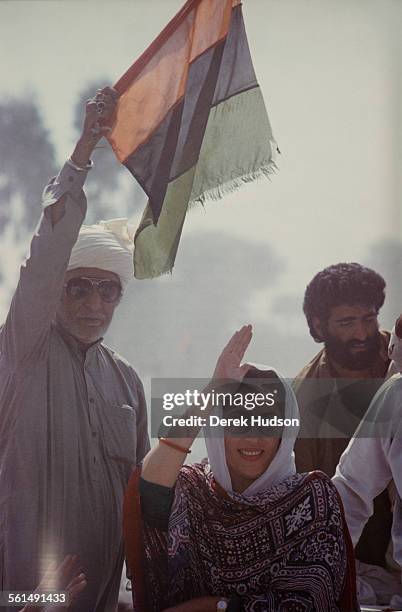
column 228, row 365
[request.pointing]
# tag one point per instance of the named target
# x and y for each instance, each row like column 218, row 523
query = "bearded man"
column 73, row 419
column 335, row 388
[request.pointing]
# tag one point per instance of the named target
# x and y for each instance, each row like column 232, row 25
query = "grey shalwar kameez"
column 73, row 425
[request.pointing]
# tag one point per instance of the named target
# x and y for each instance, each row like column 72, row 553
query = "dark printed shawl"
column 284, row 550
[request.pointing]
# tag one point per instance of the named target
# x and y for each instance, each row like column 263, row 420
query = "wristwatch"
column 222, row 604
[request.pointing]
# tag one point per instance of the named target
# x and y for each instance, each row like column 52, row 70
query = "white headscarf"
column 282, row 465
column 108, row 245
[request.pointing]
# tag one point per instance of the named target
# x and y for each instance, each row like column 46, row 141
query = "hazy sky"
column 331, row 81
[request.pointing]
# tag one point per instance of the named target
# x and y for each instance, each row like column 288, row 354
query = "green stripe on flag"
column 156, row 245
column 238, row 146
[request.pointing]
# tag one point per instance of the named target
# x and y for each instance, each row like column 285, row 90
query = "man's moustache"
column 359, row 343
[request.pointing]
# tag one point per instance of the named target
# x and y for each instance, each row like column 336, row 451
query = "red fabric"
column 349, row 595
column 132, row 535
column 142, row 61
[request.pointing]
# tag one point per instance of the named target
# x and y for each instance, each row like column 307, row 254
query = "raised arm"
column 42, row 275
column 162, row 464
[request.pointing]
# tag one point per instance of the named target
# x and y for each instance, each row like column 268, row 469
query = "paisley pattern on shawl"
column 281, row 550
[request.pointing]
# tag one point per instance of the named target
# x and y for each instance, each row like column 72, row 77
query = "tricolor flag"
column 190, row 124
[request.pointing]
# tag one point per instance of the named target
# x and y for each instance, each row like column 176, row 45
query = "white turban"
column 108, row 245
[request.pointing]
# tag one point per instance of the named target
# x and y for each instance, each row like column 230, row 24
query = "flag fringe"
column 218, row 192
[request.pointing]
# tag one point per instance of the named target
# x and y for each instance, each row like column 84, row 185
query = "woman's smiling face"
column 248, row 458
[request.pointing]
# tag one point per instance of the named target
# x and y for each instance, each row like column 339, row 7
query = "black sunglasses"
column 81, row 287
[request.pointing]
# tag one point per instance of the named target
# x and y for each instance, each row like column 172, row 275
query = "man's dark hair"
column 338, row 285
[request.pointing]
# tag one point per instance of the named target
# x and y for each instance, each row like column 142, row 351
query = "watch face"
column 222, row 605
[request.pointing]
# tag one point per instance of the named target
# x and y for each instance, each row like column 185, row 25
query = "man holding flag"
column 73, row 421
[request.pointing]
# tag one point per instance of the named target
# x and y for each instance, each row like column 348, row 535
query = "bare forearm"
column 163, row 462
column 83, row 151
column 93, row 129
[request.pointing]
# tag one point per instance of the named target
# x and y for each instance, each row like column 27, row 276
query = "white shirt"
column 372, row 459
